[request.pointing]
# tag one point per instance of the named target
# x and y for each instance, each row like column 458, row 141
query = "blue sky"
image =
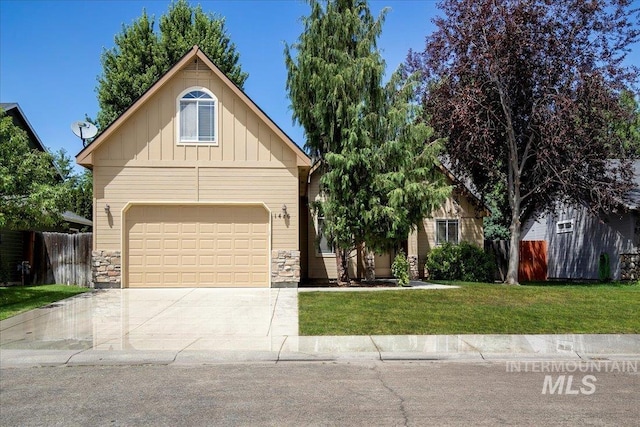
column 50, row 52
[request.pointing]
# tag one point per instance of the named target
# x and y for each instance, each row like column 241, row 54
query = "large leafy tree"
column 140, row 55
column 378, row 175
column 526, row 92
column 32, row 195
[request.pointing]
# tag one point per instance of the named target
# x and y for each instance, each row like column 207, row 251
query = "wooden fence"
column 500, row 251
column 62, row 258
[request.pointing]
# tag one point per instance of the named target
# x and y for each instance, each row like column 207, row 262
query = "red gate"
column 533, row 261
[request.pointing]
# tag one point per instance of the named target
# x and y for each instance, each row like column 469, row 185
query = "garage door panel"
column 171, row 244
column 190, row 246
column 151, row 227
column 189, row 243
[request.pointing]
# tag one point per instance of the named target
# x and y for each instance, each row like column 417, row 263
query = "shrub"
column 464, row 261
column 400, row 269
column 604, row 267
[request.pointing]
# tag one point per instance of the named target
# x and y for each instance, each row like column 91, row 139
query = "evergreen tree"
column 140, row 55
column 378, row 177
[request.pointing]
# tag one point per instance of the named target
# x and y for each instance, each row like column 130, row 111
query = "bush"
column 604, row 267
column 400, row 269
column 465, row 262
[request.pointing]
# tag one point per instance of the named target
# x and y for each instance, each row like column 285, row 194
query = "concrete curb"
column 52, row 358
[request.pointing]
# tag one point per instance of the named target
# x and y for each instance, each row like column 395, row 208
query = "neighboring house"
column 573, row 240
column 458, row 219
column 17, row 246
column 195, row 186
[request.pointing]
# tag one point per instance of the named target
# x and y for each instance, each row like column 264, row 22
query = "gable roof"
column 632, row 199
column 13, row 110
column 466, row 187
column 84, row 157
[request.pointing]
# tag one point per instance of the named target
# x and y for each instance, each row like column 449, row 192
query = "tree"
column 378, row 173
column 526, row 92
column 334, row 83
column 140, row 56
column 79, row 186
column 629, row 129
column 31, row 192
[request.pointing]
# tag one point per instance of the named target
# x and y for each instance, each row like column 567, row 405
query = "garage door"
column 197, row 246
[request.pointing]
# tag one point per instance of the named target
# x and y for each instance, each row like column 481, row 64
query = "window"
column 322, row 244
column 197, row 116
column 446, row 231
column 565, row 226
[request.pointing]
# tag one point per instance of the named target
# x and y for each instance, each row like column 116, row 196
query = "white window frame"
column 216, row 111
column 561, row 226
column 316, row 243
column 447, row 220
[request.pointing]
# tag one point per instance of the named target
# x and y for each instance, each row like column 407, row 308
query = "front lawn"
column 17, row 299
column 474, row 308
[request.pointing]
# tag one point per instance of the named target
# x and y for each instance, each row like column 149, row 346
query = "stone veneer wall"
column 106, row 269
column 285, row 268
column 630, row 266
column 414, row 273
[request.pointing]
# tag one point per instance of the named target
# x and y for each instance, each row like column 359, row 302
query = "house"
column 195, row 186
column 458, row 219
column 571, row 240
column 18, row 246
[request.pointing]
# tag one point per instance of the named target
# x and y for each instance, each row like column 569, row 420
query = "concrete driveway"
column 159, row 319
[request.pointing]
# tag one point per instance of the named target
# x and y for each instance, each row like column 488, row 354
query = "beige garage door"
column 197, row 246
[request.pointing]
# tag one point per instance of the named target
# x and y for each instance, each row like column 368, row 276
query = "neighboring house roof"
column 84, row 157
column 467, row 187
column 76, row 219
column 633, row 196
column 13, row 110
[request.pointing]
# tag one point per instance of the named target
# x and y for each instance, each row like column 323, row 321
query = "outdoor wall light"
column 107, row 209
column 285, row 214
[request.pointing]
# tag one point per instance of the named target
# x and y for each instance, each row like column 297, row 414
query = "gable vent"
column 192, row 66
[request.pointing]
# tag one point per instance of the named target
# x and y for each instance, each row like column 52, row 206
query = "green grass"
column 18, row 299
column 475, row 308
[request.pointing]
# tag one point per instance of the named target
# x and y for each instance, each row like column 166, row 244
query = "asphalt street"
column 325, row 393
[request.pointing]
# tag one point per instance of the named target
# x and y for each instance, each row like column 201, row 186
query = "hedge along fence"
column 62, row 258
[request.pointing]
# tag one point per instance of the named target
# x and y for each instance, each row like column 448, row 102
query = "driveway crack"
column 402, row 408
column 161, row 311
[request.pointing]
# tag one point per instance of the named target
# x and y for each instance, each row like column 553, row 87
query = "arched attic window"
column 197, row 117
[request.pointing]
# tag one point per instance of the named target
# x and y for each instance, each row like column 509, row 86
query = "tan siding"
column 472, row 231
column 252, row 137
column 153, row 127
column 240, row 133
column 150, row 134
column 274, row 187
column 117, row 186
